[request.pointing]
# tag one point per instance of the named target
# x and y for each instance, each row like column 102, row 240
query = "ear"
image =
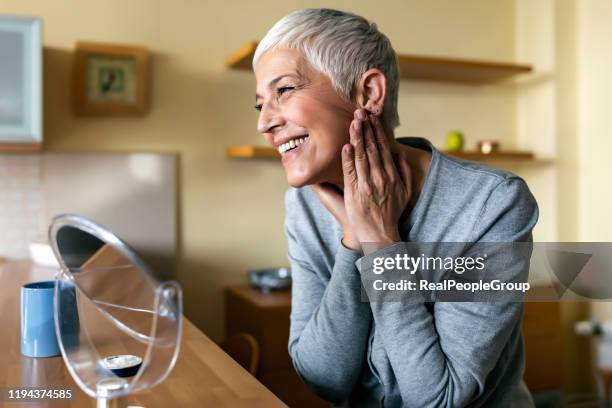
column 371, row 91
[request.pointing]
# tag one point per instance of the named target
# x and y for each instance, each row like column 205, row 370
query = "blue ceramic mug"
column 37, row 326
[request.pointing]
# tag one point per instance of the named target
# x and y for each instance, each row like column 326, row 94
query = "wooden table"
column 204, row 376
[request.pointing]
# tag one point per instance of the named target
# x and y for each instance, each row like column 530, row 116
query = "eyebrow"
column 274, row 81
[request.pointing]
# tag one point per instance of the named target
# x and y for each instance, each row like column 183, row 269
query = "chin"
column 300, row 179
column 304, row 168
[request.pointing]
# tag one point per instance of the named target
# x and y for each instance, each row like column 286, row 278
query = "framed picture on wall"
column 110, row 79
column 20, row 80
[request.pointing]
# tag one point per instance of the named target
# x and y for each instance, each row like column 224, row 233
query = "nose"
column 270, row 118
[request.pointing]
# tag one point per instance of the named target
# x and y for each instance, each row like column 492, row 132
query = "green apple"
column 454, row 141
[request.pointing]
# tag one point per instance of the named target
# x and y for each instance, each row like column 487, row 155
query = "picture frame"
column 20, row 82
column 110, row 79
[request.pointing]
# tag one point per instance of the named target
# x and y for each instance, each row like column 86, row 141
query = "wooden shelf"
column 242, row 58
column 20, row 147
column 457, row 70
column 495, row 156
column 419, row 67
column 263, row 152
column 251, row 152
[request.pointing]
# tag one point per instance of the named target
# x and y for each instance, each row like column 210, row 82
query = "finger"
column 371, row 148
column 383, row 147
column 358, row 150
column 349, row 170
column 405, row 172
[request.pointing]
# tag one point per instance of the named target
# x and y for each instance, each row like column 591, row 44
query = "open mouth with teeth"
column 292, row 144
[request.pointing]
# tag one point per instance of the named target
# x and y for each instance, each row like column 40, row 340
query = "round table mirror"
column 119, row 327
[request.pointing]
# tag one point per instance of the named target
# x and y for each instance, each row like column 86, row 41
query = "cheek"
column 331, row 133
column 327, row 123
column 301, row 110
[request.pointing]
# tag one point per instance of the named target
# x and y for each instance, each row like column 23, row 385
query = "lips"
column 293, row 153
column 292, row 144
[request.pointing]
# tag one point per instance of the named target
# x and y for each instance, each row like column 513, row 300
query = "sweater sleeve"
column 329, row 323
column 443, row 359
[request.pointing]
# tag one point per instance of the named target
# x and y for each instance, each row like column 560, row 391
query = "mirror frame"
column 102, row 233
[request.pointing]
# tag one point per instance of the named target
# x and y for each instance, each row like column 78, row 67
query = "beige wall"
column 594, row 83
column 583, row 63
column 577, row 357
column 231, row 212
column 594, row 121
column 564, row 109
column 546, row 123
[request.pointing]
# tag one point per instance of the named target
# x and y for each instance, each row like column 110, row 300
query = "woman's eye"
column 284, row 89
column 280, row 91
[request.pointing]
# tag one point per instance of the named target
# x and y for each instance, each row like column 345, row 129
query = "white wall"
column 21, row 204
column 134, row 195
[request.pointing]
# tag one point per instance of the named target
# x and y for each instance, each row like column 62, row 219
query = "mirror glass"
column 119, row 328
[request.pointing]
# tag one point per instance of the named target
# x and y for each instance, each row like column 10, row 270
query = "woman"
column 327, row 86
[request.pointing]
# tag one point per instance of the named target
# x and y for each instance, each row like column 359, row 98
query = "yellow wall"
column 231, row 212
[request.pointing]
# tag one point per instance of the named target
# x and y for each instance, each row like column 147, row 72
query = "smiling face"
column 302, row 116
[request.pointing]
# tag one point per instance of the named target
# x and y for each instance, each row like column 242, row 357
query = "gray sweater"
column 392, row 354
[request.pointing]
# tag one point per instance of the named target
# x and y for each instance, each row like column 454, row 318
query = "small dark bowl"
column 127, row 371
column 270, row 279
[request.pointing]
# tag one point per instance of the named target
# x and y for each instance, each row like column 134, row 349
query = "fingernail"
column 361, row 114
column 346, row 148
column 357, row 126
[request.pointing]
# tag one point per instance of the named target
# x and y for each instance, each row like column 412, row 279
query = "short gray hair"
column 341, row 45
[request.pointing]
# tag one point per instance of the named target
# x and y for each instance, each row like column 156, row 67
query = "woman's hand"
column 376, row 190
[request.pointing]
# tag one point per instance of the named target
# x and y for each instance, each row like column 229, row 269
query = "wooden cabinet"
column 266, row 317
column 542, row 333
column 20, row 83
